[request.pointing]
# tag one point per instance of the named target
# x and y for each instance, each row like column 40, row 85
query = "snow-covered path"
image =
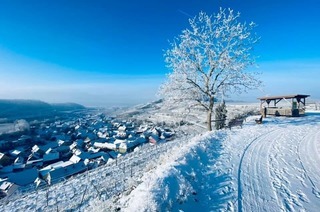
column 254, row 175
column 270, row 167
column 272, row 175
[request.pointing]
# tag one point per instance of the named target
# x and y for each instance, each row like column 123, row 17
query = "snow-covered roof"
column 105, row 145
column 292, row 96
column 122, row 128
column 119, row 141
column 75, row 159
column 51, row 156
column 66, row 170
column 88, row 155
column 17, row 166
column 93, row 150
column 31, row 162
column 15, row 152
column 60, row 142
column 54, row 165
column 5, row 185
column 35, row 148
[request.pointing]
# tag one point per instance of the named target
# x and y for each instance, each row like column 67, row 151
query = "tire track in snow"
column 258, row 138
column 285, row 170
column 309, row 157
column 256, row 154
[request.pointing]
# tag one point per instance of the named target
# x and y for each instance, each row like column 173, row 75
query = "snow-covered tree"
column 21, row 125
column 210, row 60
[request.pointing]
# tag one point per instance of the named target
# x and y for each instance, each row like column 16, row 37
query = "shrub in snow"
column 220, row 116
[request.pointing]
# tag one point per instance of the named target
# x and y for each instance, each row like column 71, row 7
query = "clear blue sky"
column 111, row 52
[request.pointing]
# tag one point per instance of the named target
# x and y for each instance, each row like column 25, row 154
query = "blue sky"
column 104, row 53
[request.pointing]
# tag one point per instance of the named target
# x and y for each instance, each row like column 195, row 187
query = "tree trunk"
column 209, row 120
column 209, row 114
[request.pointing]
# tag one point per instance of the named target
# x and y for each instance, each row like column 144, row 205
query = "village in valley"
column 47, row 152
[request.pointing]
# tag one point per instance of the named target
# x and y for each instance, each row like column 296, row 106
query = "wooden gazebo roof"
column 295, row 96
column 301, row 98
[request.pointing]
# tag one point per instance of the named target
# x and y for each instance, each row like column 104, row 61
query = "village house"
column 15, row 153
column 38, row 163
column 4, row 160
column 18, row 164
column 61, row 170
column 7, row 188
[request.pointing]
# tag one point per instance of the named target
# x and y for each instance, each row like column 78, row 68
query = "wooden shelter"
column 296, row 104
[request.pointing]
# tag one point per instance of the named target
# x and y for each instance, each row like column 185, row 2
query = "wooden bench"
column 259, row 121
column 235, row 122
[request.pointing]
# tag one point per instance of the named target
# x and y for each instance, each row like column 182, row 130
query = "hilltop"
column 19, row 108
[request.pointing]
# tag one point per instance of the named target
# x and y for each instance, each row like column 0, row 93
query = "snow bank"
column 267, row 167
column 141, row 198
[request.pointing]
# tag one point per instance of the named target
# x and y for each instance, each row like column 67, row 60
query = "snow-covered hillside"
column 268, row 167
column 194, row 120
column 272, row 166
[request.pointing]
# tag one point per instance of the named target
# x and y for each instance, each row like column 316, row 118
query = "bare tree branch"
column 210, row 59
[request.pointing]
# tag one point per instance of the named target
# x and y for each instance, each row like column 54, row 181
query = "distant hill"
column 17, row 108
column 23, row 108
column 67, row 106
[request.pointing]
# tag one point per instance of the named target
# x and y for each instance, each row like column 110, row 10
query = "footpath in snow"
column 268, row 167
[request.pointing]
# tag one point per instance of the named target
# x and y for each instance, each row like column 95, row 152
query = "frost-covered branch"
column 210, row 59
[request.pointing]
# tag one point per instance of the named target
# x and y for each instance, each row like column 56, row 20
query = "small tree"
column 220, row 116
column 209, row 60
column 21, row 125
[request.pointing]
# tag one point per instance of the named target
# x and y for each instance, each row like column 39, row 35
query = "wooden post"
column 260, row 105
column 47, row 195
column 84, row 193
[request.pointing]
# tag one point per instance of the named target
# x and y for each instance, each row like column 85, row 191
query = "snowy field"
column 269, row 167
